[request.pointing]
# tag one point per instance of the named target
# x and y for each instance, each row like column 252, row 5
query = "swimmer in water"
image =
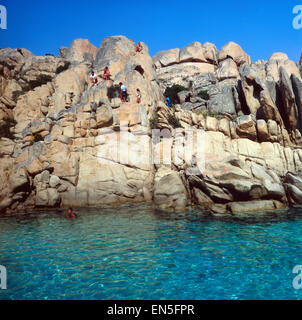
column 71, row 214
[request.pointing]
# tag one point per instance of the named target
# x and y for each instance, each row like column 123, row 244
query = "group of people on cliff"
column 124, row 96
column 106, row 76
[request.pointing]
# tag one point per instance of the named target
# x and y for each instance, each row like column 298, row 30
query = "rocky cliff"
column 65, row 142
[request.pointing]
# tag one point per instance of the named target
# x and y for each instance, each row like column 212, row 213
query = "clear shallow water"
column 135, row 252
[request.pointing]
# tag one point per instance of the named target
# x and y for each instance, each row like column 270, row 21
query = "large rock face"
column 289, row 110
column 68, row 116
column 182, row 74
column 169, row 191
column 182, row 66
column 107, row 175
column 232, row 144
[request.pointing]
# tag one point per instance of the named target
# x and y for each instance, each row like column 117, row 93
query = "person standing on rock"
column 123, row 93
column 138, row 96
column 168, row 102
column 93, row 78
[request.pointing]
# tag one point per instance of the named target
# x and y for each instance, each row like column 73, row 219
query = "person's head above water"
column 71, row 214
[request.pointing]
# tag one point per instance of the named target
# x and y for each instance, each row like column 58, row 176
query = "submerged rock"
column 239, row 208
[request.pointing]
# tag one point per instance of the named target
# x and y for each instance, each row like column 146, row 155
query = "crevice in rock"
column 244, row 106
column 140, row 70
column 20, row 51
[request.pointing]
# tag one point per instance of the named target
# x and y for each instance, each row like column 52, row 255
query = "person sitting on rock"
column 168, row 102
column 93, row 78
column 139, row 47
column 138, row 96
column 123, row 93
column 71, row 214
column 106, row 75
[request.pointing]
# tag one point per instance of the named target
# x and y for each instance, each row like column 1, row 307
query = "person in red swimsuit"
column 71, row 214
column 139, row 47
column 106, row 75
column 138, row 96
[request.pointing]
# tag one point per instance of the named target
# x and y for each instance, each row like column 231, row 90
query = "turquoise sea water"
column 136, row 252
